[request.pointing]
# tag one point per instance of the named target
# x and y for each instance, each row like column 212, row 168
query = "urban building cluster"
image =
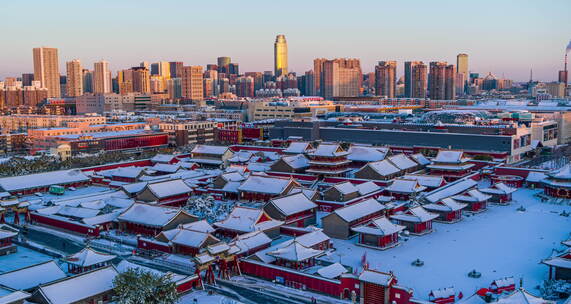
column 335, row 186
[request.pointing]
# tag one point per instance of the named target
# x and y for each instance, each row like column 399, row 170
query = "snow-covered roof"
column 561, row 173
column 293, row 203
column 101, row 219
column 233, row 176
column 415, row 214
column 328, row 150
column 521, row 296
column 245, row 219
column 311, row 239
column 367, row 154
column 498, row 188
column 402, row 162
column 241, row 156
column 295, row 252
column 473, row 195
column 5, row 233
column 32, row 276
column 420, row 159
column 166, row 168
column 450, row 190
column 504, row 282
column 203, row 258
column 169, row 188
column 367, row 187
column 89, row 257
column 332, row 271
column 345, row 188
column 443, row 293
column 45, row 179
column 376, row 277
column 14, row 297
column 162, row 158
column 405, row 186
column 206, row 149
column 150, row 215
column 297, row 161
column 297, row 147
column 449, row 157
column 445, row 205
column 134, row 187
column 79, row 287
column 308, row 192
column 218, row 248
column 191, row 238
column 359, row 210
column 384, row 167
column 251, row 240
column 77, row 212
column 202, row 226
column 535, row 176
column 431, row 181
column 265, row 184
column 380, row 226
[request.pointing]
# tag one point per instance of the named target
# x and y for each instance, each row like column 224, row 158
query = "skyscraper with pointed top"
column 280, row 56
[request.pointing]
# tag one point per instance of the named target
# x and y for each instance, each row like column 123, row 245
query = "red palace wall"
column 66, row 225
column 330, row 287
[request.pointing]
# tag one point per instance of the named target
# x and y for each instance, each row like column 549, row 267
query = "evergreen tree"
column 137, row 286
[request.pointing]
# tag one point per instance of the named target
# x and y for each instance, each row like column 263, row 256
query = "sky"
column 505, row 37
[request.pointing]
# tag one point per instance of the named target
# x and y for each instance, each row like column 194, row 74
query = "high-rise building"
column 317, row 71
column 437, row 83
column 46, row 69
column 417, row 79
column 145, row 64
column 341, row 78
column 101, row 78
column 462, row 72
column 280, row 56
column 141, row 79
column 164, row 70
column 74, row 78
column 310, row 84
column 385, row 78
column 233, row 69
column 245, row 86
column 87, row 81
column 192, row 86
column 175, row 69
column 27, row 79
column 174, row 88
column 450, row 82
column 223, row 63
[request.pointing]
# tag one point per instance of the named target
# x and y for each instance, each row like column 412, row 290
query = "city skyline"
column 533, row 39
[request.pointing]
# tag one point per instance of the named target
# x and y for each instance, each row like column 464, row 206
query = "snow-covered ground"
column 498, row 243
column 23, row 258
column 202, row 297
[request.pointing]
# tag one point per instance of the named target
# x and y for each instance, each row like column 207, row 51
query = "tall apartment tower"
column 462, row 72
column 317, row 69
column 192, row 87
column 74, row 78
column 450, row 82
column 101, row 78
column 87, row 76
column 417, row 79
column 341, row 78
column 385, row 78
column 176, row 69
column 280, row 56
column 141, row 80
column 164, row 69
column 46, row 69
column 437, row 83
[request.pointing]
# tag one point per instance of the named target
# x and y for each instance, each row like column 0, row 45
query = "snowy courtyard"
column 497, row 243
column 23, row 258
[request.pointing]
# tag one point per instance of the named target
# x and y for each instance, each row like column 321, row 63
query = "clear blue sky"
column 501, row 36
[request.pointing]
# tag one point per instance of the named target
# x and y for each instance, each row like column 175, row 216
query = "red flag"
column 2, row 219
column 460, row 296
column 364, row 259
